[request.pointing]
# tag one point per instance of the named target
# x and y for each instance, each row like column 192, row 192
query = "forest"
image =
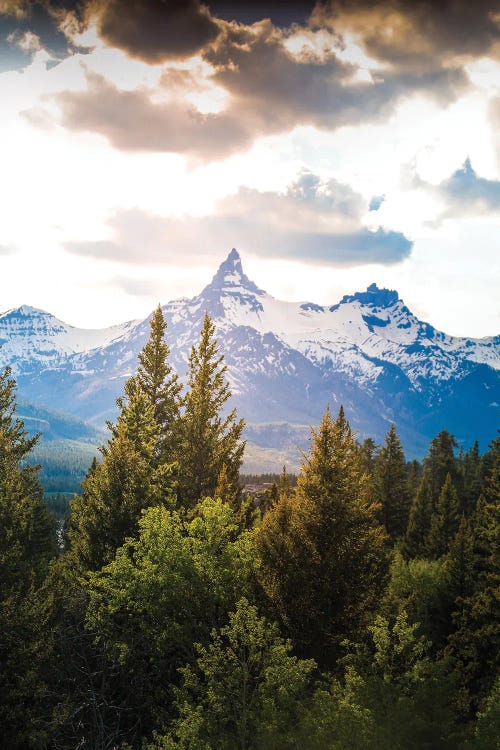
column 355, row 608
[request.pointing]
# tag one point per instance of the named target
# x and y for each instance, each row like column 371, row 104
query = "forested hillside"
column 355, row 608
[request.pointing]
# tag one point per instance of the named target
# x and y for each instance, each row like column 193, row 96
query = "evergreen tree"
column 470, row 466
column 415, row 543
column 269, row 498
column 161, row 385
column 27, row 543
column 208, row 440
column 461, row 563
column 285, row 484
column 439, row 462
column 445, row 520
column 475, row 643
column 322, row 549
column 127, row 481
column 414, row 474
column 368, row 453
column 391, row 485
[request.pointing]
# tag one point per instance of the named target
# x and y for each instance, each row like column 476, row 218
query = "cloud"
column 465, row 192
column 132, row 121
column 313, row 220
column 462, row 194
column 269, row 90
column 29, row 25
column 153, row 30
column 494, row 115
column 416, row 34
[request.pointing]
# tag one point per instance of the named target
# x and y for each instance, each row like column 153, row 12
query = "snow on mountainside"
column 29, row 336
column 286, row 361
column 351, row 335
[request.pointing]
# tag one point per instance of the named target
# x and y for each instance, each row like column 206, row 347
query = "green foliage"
column 475, row 643
column 488, row 721
column 322, row 549
column 116, row 490
column 391, row 485
column 163, row 592
column 445, row 520
column 392, row 696
column 157, row 380
column 243, row 693
column 415, row 543
column 439, row 462
column 208, row 440
column 422, row 589
column 27, row 543
column 368, row 452
column 471, row 480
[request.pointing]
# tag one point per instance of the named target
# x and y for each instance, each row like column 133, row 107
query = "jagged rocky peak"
column 231, row 277
column 374, row 297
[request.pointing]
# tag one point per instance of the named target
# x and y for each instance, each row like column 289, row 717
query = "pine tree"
column 445, row 520
column 475, row 643
column 391, row 485
column 161, row 385
column 322, row 549
column 27, row 543
column 439, row 462
column 470, row 466
column 415, row 543
column 208, row 440
column 414, row 474
column 116, row 490
column 368, row 452
column 461, row 562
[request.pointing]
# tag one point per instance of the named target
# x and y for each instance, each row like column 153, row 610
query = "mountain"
column 286, row 362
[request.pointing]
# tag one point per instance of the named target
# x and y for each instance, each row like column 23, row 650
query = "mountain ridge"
column 286, row 361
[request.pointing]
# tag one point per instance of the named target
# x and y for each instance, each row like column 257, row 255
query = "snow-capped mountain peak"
column 286, row 360
column 230, row 277
column 373, row 297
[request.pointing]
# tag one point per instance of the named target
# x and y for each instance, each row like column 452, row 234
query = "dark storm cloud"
column 312, row 221
column 270, row 91
column 282, row 14
column 151, row 30
column 416, row 34
column 154, row 30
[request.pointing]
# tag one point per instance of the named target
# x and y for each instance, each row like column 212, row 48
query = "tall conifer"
column 439, row 462
column 27, row 542
column 208, row 439
column 445, row 520
column 116, row 490
column 161, row 385
column 391, row 485
column 415, row 543
column 322, row 548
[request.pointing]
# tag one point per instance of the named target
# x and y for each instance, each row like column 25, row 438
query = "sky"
column 334, row 144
